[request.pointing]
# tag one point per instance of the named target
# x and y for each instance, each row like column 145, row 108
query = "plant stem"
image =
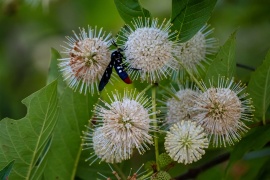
column 145, row 176
column 190, row 74
column 155, row 124
column 170, row 92
column 264, row 120
column 145, row 89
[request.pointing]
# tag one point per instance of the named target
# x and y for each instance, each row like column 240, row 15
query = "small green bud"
column 161, row 175
column 164, row 160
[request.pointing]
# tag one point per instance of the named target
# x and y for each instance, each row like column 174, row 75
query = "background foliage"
column 28, row 32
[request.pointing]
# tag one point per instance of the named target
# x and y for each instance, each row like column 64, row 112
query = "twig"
column 245, row 67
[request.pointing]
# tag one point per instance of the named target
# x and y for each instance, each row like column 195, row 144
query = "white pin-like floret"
column 185, row 142
column 88, row 56
column 222, row 111
column 192, row 53
column 127, row 119
column 149, row 49
column 124, row 125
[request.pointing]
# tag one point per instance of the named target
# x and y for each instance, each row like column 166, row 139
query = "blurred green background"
column 28, row 29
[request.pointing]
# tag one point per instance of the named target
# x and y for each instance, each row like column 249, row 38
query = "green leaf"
column 189, row 16
column 53, row 70
column 27, row 140
column 129, row 9
column 54, row 73
column 253, row 167
column 259, row 88
column 224, row 63
column 262, row 135
column 4, row 173
column 85, row 171
column 65, row 152
column 264, row 172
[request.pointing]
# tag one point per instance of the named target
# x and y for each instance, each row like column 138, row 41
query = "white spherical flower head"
column 107, row 151
column 149, row 49
column 185, row 142
column 103, row 148
column 192, row 53
column 89, row 55
column 221, row 111
column 126, row 123
column 180, row 109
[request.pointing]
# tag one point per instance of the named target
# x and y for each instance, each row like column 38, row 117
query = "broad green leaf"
column 259, row 87
column 27, row 140
column 224, row 63
column 75, row 112
column 189, row 16
column 64, row 154
column 4, row 173
column 262, row 135
column 129, row 9
column 54, row 72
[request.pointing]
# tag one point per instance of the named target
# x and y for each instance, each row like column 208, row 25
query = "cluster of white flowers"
column 214, row 115
column 125, row 125
column 150, row 51
column 219, row 111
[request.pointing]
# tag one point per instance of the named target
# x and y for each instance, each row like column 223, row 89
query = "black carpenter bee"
column 117, row 63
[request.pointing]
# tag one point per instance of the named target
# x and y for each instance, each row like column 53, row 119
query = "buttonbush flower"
column 185, row 142
column 89, row 55
column 181, row 108
column 149, row 48
column 195, row 51
column 125, row 124
column 104, row 149
column 222, row 111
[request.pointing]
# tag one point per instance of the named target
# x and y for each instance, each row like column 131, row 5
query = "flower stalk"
column 154, row 117
column 169, row 92
column 190, row 74
column 146, row 89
